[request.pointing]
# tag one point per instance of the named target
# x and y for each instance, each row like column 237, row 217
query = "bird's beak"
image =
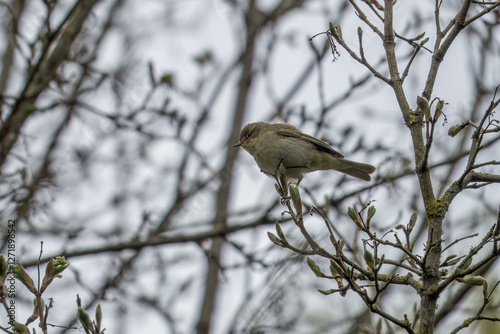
column 238, row 144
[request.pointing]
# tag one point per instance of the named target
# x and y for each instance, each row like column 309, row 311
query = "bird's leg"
column 277, row 169
column 299, row 180
column 268, row 174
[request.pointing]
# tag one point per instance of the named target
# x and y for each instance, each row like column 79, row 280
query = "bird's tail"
column 356, row 169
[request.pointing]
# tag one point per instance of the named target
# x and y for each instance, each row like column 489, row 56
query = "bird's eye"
column 249, row 135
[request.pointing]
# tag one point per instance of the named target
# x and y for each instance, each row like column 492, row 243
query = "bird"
column 273, row 144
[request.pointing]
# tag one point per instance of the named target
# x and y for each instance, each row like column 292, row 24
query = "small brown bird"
column 300, row 153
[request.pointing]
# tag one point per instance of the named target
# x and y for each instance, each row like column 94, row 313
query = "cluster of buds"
column 54, row 269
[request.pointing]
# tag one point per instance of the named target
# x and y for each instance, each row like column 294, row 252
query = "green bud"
column 280, row 232
column 283, row 181
column 314, row 267
column 448, row 260
column 331, row 27
column 297, row 202
column 369, row 259
column 423, row 104
column 449, row 257
column 338, row 31
column 335, row 31
column 353, row 214
column 413, row 220
column 335, row 268
column 473, row 280
column 452, row 262
column 294, row 192
column 455, row 130
column 98, row 318
column 84, row 318
column 371, row 212
column 355, row 217
column 275, row 239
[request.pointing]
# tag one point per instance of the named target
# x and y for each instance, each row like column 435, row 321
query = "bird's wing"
column 319, row 144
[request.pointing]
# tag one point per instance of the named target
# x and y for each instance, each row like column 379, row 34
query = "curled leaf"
column 21, row 274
